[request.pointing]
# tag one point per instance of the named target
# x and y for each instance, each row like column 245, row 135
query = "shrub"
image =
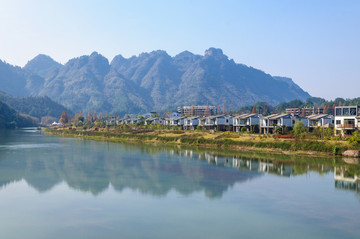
column 355, row 139
column 299, row 129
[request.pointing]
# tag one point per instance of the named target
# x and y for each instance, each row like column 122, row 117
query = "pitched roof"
column 276, row 116
column 244, row 116
column 194, row 117
column 318, row 116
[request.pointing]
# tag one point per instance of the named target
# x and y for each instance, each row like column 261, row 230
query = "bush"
column 355, row 139
column 243, row 129
column 299, row 129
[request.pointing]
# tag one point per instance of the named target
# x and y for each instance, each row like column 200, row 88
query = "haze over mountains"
column 150, row 81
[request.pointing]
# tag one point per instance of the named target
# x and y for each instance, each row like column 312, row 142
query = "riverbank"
column 219, row 140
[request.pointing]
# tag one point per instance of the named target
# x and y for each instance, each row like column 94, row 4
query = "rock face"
column 352, row 153
column 150, row 81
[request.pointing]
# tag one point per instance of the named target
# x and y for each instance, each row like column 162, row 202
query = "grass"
column 219, row 140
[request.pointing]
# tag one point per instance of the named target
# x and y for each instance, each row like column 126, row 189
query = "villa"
column 347, row 120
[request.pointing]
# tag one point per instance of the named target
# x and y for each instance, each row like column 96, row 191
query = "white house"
column 304, row 120
column 219, row 122
column 270, row 123
column 154, row 120
column 320, row 120
column 347, row 120
column 174, row 115
column 166, row 121
column 132, row 120
column 250, row 121
column 179, row 121
column 191, row 122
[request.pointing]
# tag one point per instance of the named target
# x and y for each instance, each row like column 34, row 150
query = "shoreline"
column 291, row 147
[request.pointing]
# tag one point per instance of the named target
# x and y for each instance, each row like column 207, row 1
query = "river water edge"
column 57, row 187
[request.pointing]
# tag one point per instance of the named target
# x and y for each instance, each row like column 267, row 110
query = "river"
column 53, row 187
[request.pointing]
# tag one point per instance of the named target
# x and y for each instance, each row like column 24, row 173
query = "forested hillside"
column 36, row 106
column 9, row 118
column 149, row 81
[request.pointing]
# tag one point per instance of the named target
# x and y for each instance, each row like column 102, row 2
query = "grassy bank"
column 220, row 140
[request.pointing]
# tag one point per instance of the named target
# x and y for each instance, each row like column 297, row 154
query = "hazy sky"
column 316, row 43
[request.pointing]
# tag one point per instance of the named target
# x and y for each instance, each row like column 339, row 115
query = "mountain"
column 150, row 81
column 36, row 106
column 43, row 66
column 19, row 82
column 9, row 118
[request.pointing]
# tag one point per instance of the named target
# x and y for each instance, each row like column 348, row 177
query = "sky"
column 316, row 43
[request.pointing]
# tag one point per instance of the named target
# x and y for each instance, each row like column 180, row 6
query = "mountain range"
column 150, row 81
column 40, row 107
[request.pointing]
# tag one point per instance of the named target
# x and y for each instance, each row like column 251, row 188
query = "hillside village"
column 344, row 122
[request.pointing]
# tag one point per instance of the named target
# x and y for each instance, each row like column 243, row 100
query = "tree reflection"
column 91, row 166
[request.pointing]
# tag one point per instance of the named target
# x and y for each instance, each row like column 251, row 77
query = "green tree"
column 243, row 129
column 355, row 139
column 299, row 129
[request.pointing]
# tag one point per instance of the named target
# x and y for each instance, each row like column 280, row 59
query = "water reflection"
column 346, row 179
column 93, row 166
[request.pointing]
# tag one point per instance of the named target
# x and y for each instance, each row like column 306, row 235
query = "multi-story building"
column 300, row 111
column 198, row 110
column 347, row 120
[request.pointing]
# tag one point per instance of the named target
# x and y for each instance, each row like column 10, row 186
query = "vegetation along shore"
column 308, row 145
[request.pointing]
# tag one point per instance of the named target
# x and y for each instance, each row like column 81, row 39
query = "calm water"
column 53, row 187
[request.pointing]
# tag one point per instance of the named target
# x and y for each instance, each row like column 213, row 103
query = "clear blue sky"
column 317, row 43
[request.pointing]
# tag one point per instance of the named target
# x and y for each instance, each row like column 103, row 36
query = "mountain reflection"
column 91, row 166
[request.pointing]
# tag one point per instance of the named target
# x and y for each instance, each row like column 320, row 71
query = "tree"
column 264, row 110
column 95, row 117
column 89, row 118
column 254, row 110
column 64, row 118
column 303, row 114
column 77, row 116
column 299, row 128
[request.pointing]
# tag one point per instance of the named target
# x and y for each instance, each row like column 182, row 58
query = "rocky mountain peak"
column 214, row 52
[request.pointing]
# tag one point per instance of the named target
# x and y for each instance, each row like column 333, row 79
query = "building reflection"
column 92, row 167
column 345, row 179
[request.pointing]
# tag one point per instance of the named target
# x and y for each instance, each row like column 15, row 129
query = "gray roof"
column 194, row 117
column 318, row 116
column 217, row 116
column 276, row 116
column 244, row 116
column 179, row 118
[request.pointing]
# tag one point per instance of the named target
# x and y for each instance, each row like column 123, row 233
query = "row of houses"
column 345, row 121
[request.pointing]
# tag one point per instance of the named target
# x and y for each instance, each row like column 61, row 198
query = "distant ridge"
column 149, row 81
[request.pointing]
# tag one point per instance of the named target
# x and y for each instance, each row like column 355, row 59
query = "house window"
column 346, row 111
column 227, row 121
column 349, row 121
column 338, row 122
column 352, row 111
column 338, row 111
